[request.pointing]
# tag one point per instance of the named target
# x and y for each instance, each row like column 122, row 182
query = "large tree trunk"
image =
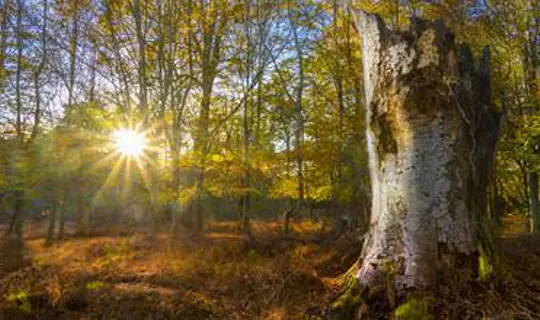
column 431, row 137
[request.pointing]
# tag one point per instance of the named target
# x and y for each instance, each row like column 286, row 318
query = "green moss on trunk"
column 349, row 300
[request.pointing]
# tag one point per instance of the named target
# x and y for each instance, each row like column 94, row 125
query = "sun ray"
column 130, row 146
column 150, row 161
column 127, row 180
column 103, row 162
column 144, row 173
column 110, row 177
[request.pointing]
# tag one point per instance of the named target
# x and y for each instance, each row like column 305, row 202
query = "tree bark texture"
column 431, row 136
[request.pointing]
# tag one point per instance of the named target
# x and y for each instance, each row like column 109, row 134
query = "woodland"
column 269, row 159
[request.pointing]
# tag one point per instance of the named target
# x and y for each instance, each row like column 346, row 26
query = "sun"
column 129, row 142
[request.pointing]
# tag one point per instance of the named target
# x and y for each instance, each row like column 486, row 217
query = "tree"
column 336, row 119
column 209, row 43
column 26, row 61
column 431, row 140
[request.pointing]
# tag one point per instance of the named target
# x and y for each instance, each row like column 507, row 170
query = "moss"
column 389, row 272
column 389, row 266
column 348, row 301
column 96, row 285
column 383, row 131
column 485, row 268
column 20, row 299
column 415, row 308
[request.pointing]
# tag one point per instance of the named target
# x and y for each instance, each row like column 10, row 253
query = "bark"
column 299, row 130
column 17, row 219
column 431, row 136
column 210, row 56
column 530, row 68
column 18, row 74
column 4, row 28
column 79, row 217
column 50, row 228
column 73, row 44
column 524, row 183
column 37, row 75
column 246, row 197
column 119, row 65
column 496, row 209
column 535, row 204
column 81, row 206
column 62, row 218
column 18, row 215
column 141, row 41
column 246, row 125
column 286, row 218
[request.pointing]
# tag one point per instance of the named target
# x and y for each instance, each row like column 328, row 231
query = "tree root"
column 349, row 300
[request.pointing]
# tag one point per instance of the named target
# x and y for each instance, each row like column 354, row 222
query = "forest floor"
column 134, row 277
column 130, row 276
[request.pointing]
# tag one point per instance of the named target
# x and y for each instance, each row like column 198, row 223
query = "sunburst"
column 129, row 142
column 129, row 146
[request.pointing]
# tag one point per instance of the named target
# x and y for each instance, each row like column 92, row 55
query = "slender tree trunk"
column 299, row 114
column 81, row 207
column 119, row 67
column 79, row 218
column 530, row 66
column 496, row 213
column 18, row 74
column 430, row 162
column 62, row 217
column 535, row 204
column 73, row 44
column 50, row 229
column 201, row 134
column 246, row 201
column 37, row 74
column 18, row 213
column 210, row 55
column 6, row 8
column 524, row 183
column 201, row 152
column 141, row 41
column 286, row 216
column 176, row 211
column 16, row 224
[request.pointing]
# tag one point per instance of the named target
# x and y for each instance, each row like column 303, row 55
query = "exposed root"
column 349, row 299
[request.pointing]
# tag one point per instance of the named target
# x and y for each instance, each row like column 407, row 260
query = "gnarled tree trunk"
column 431, row 137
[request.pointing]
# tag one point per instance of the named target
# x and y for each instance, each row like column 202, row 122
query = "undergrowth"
column 219, row 276
column 216, row 277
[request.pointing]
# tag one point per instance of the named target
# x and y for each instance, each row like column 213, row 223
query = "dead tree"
column 431, row 136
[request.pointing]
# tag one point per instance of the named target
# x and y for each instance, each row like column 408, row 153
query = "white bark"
column 430, row 137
